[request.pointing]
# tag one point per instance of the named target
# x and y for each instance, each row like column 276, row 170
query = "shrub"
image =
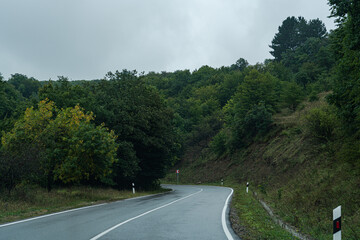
column 254, row 125
column 218, row 143
column 322, row 123
column 257, row 121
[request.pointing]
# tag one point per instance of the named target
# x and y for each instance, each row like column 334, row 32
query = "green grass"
column 30, row 201
column 254, row 218
column 255, row 222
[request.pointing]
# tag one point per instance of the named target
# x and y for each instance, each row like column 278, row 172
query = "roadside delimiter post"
column 337, row 223
column 177, row 176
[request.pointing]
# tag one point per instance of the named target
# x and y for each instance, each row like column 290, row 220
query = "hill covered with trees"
column 292, row 120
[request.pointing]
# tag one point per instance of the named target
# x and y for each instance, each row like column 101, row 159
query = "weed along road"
column 188, row 212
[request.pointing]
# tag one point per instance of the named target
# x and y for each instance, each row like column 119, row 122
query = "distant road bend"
column 188, row 212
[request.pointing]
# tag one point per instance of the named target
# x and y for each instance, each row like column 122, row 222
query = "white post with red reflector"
column 133, row 188
column 337, row 223
column 177, row 176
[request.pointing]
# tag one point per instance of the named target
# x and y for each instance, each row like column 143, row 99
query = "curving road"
column 188, row 212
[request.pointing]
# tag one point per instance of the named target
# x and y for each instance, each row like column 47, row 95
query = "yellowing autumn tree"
column 74, row 149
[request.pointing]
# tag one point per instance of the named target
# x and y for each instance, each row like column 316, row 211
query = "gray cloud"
column 83, row 39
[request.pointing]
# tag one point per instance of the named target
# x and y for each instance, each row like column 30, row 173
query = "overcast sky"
column 84, row 39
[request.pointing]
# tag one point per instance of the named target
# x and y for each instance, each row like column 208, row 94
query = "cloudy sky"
column 84, row 39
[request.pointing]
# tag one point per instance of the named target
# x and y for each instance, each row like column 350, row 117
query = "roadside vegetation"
column 253, row 222
column 291, row 130
column 298, row 173
column 290, row 126
column 107, row 133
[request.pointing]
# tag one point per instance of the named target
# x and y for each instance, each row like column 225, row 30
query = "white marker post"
column 337, row 223
column 177, row 176
column 133, row 187
column 247, row 187
column 222, row 182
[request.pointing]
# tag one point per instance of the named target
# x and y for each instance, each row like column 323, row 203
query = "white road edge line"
column 223, row 217
column 143, row 214
column 49, row 215
column 75, row 209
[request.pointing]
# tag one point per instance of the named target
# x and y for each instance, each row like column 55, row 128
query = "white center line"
column 143, row 214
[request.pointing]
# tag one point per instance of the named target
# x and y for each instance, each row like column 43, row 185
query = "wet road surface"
column 188, row 212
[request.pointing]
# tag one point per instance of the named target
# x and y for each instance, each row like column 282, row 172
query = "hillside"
column 289, row 125
column 300, row 177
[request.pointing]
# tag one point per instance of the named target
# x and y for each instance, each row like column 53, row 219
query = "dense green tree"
column 65, row 94
column 293, row 33
column 257, row 87
column 72, row 149
column 12, row 105
column 228, row 86
column 206, row 98
column 158, row 81
column 205, row 129
column 258, row 92
column 219, row 143
column 313, row 50
column 26, row 86
column 308, row 73
column 177, row 81
column 279, row 70
column 86, row 152
column 135, row 111
column 20, row 165
column 240, row 64
column 291, row 95
column 244, row 128
column 202, row 76
column 255, row 123
column 142, row 121
column 346, row 46
column 286, row 38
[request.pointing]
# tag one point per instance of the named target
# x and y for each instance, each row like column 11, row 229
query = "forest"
column 134, row 127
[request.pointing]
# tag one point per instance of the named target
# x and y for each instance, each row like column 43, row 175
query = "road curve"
column 188, row 212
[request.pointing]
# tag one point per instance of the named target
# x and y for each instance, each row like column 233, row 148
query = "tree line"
column 134, row 127
column 110, row 132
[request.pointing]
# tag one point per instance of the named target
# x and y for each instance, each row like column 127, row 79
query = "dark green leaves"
column 293, row 33
column 346, row 46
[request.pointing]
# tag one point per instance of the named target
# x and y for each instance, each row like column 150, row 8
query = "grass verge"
column 31, row 201
column 249, row 219
column 254, row 222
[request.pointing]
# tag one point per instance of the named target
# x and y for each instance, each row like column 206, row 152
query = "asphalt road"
column 188, row 212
